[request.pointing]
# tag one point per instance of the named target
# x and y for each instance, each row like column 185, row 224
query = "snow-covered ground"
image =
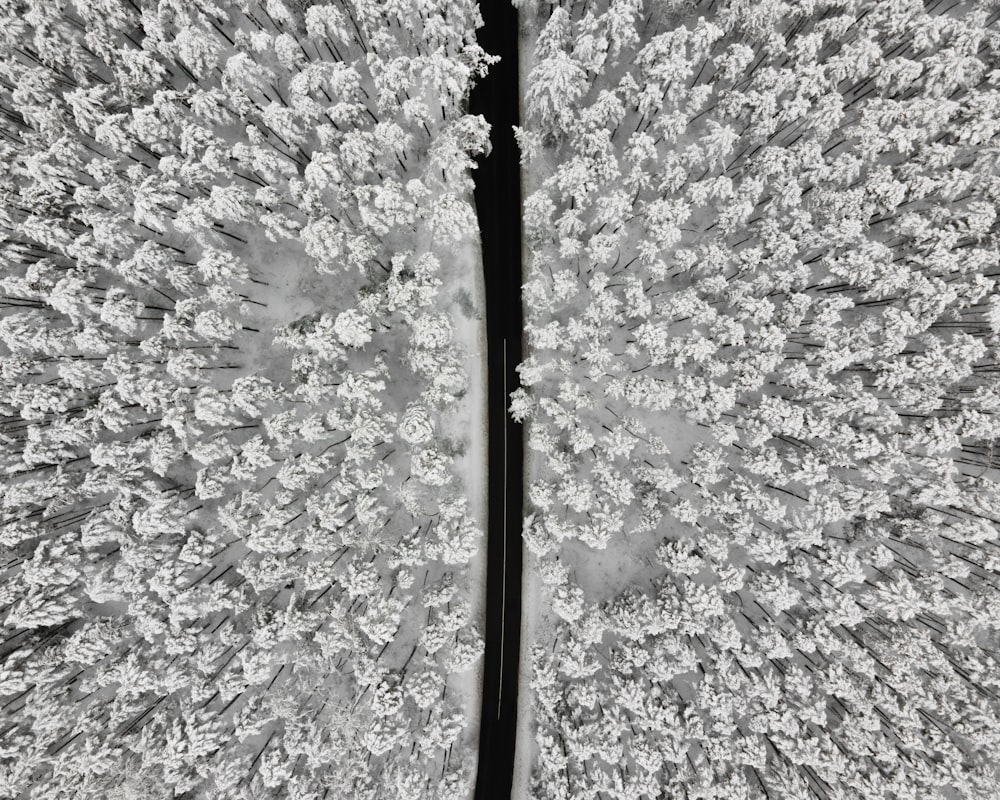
column 526, row 751
column 468, row 423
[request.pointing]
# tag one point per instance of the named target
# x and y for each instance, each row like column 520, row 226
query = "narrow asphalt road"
column 498, row 207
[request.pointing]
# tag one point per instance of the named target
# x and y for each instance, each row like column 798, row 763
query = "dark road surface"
column 498, row 207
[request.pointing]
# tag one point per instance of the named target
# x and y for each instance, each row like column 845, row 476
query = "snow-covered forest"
column 237, row 248
column 243, row 386
column 762, row 398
